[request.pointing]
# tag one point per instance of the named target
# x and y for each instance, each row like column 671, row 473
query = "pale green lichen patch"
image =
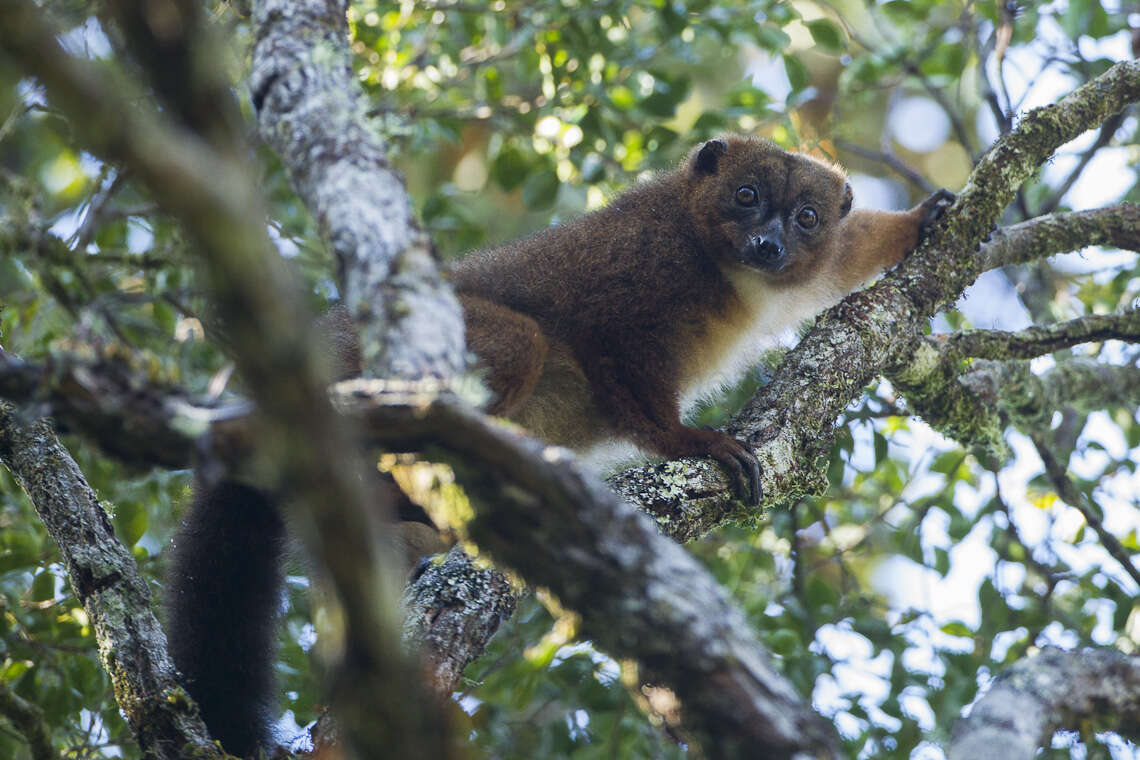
column 922, row 365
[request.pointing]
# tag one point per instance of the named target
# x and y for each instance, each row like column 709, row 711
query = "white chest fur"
column 731, row 344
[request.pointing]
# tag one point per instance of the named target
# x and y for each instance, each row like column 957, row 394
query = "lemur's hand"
column 934, row 208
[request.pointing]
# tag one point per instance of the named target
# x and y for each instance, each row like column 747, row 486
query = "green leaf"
column 819, row 592
column 941, row 561
column 783, row 642
column 112, row 234
column 130, row 521
column 946, row 60
column 1120, row 615
column 798, row 75
column 1085, row 17
column 1129, row 542
column 881, row 448
column 666, row 96
column 901, row 11
column 19, row 548
column 43, row 587
column 876, row 630
column 510, row 167
column 710, row 121
column 1098, row 67
column 946, row 462
column 541, row 189
column 959, row 526
column 166, row 317
column 826, row 34
column 772, row 38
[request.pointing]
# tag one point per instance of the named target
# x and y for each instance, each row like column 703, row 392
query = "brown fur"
column 638, row 302
column 597, row 329
column 589, row 331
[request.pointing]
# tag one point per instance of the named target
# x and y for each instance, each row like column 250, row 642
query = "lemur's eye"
column 746, row 196
column 807, row 218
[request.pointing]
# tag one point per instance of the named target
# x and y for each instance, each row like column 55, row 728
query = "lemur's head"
column 756, row 205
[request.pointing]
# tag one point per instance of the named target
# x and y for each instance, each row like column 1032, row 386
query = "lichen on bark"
column 105, row 577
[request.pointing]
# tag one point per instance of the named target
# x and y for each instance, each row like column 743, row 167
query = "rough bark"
column 639, row 594
column 1039, row 340
column 734, row 700
column 1055, row 690
column 791, row 421
column 850, row 346
column 208, row 189
column 120, row 409
column 539, row 514
column 106, row 581
column 1029, row 401
column 1117, row 226
column 934, row 389
column 310, row 110
column 452, row 611
column 973, row 403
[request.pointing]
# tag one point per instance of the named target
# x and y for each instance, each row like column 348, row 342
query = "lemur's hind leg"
column 510, row 349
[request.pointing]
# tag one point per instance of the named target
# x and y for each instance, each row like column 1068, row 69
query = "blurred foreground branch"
column 1038, row 696
column 199, row 177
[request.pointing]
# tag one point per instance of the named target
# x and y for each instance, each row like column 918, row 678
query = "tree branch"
column 106, row 581
column 121, row 411
column 1029, row 401
column 790, row 422
column 453, row 610
column 210, row 192
column 735, row 703
column 529, row 496
column 514, row 477
column 936, row 391
column 905, row 170
column 310, row 111
column 1039, row 340
column 973, row 402
column 1117, row 226
column 640, row 595
column 865, row 340
column 974, row 407
column 1026, row 704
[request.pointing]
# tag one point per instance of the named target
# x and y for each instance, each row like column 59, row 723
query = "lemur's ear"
column 848, row 197
column 710, row 154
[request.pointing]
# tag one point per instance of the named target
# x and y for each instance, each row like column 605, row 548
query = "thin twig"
column 938, row 96
column 95, row 213
column 890, row 159
column 1069, row 493
column 1039, row 340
